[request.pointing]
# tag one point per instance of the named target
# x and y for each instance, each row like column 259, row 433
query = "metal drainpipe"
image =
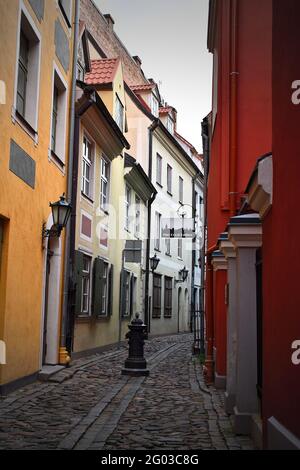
column 205, row 138
column 193, row 325
column 147, row 267
column 233, row 111
column 63, row 355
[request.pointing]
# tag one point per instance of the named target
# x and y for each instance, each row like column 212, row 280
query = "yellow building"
column 35, row 73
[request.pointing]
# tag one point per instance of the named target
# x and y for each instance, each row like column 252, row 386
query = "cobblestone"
column 92, row 406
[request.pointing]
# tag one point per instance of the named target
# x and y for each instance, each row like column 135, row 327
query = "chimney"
column 137, row 60
column 110, row 21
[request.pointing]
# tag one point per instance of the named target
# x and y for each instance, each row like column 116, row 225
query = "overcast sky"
column 170, row 38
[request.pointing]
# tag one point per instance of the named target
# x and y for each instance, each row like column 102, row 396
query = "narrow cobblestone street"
column 92, row 406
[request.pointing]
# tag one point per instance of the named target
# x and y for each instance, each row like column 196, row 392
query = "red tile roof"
column 102, row 71
column 143, row 87
column 165, row 109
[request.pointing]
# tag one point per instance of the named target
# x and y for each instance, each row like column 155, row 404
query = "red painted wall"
column 281, row 229
column 220, row 321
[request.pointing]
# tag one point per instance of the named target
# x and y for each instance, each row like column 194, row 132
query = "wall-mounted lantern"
column 61, row 211
column 183, row 274
column 154, row 260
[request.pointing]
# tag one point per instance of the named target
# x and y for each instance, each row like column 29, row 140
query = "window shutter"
column 131, row 293
column 110, row 290
column 122, row 292
column 78, row 267
column 97, row 286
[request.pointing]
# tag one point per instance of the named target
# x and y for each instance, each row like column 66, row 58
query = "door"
column 259, row 310
column 48, row 267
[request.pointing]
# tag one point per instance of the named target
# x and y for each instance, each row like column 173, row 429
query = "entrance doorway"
column 50, row 335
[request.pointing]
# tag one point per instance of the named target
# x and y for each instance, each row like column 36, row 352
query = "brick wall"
column 109, row 42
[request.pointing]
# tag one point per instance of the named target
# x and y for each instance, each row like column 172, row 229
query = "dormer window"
column 119, row 113
column 154, row 105
column 170, row 125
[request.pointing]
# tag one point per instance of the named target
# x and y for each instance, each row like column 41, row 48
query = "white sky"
column 170, row 38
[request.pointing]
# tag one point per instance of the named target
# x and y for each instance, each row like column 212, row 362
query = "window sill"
column 159, row 184
column 168, row 317
column 168, row 254
column 102, row 318
column 157, row 249
column 57, row 159
column 87, row 197
column 103, row 210
column 24, row 124
column 83, row 318
column 170, row 194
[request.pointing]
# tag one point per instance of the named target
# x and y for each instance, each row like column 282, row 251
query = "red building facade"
column 252, row 293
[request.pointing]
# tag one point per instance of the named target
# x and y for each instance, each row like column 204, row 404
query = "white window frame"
column 157, row 231
column 105, row 179
column 180, row 189
column 170, row 124
column 128, row 195
column 119, row 113
column 88, row 216
column 59, row 81
column 88, row 274
column 180, row 248
column 33, row 88
column 169, row 178
column 104, row 299
column 137, row 224
column 168, row 246
column 154, row 105
column 86, row 162
column 159, row 169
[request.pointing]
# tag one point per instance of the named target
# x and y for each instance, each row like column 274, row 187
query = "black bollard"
column 136, row 364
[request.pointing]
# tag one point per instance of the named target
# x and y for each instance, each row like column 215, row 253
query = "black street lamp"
column 183, row 273
column 61, row 211
column 154, row 260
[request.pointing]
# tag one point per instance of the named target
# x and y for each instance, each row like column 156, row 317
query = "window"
column 137, row 230
column 66, row 9
column 54, row 118
column 87, row 168
column 156, row 313
column 201, row 209
column 179, row 248
column 154, row 105
column 127, row 207
column 22, row 74
column 80, row 72
column 134, row 295
column 119, row 113
column 180, row 189
column 104, row 236
column 104, row 299
column 169, row 179
column 158, row 169
column 168, row 246
column 170, row 125
column 86, row 285
column 168, row 297
column 58, row 124
column 104, row 192
column 157, row 231
column 27, row 80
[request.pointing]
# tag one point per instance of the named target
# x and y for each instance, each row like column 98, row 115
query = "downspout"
column 206, row 277
column 193, row 322
column 63, row 353
column 233, row 112
column 147, row 266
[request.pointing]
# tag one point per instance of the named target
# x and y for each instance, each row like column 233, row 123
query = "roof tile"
column 102, row 71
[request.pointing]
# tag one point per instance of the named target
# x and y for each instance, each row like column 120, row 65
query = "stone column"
column 229, row 251
column 220, row 267
column 245, row 232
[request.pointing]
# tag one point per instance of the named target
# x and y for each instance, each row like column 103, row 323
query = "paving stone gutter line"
column 94, row 429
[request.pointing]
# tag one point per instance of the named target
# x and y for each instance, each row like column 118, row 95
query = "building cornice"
column 219, row 261
column 245, row 231
column 260, row 187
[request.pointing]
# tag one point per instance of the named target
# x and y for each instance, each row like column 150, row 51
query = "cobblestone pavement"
column 91, row 406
